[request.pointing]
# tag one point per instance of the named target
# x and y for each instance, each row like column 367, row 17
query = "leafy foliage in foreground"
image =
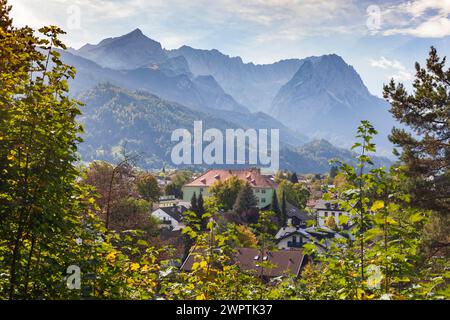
column 380, row 256
column 50, row 221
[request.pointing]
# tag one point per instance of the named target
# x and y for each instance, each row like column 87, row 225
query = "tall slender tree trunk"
column 361, row 213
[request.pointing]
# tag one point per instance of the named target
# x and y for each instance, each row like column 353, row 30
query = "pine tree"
column 194, row 203
column 200, row 206
column 283, row 209
column 201, row 211
column 274, row 206
column 294, row 178
column 425, row 147
column 245, row 201
column 333, row 172
column 426, row 151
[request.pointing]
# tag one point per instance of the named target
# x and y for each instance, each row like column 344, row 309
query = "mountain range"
column 114, row 117
column 133, row 84
column 328, row 99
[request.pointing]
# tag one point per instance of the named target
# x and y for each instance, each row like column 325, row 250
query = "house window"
column 333, row 214
column 263, row 191
column 294, row 239
column 263, row 200
column 257, row 190
column 201, row 190
column 326, row 214
column 340, row 214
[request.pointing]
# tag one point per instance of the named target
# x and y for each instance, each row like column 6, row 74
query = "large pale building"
column 325, row 209
column 263, row 186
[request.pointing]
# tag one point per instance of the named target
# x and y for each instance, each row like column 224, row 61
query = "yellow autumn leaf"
column 390, row 220
column 200, row 297
column 377, row 205
column 111, row 257
column 134, row 266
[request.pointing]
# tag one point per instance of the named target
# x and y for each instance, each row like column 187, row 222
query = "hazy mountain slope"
column 261, row 120
column 326, row 98
column 195, row 93
column 315, row 97
column 114, row 116
column 318, row 97
column 130, row 51
column 315, row 156
column 252, row 85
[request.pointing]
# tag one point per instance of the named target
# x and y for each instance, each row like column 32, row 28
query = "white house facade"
column 170, row 217
column 325, row 209
column 291, row 237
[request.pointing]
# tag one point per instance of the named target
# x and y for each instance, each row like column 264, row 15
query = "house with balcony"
column 292, row 237
column 295, row 237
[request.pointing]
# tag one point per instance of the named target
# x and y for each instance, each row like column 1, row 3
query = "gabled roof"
column 284, row 261
column 327, row 205
column 285, row 232
column 293, row 211
column 174, row 211
column 253, row 176
column 321, row 232
column 312, row 233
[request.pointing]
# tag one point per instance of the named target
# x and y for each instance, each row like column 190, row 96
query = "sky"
column 380, row 39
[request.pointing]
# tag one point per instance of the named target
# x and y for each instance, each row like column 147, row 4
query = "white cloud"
column 288, row 20
column 435, row 27
column 294, row 19
column 419, row 18
column 397, row 70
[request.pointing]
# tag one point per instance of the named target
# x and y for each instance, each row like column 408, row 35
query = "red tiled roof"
column 252, row 176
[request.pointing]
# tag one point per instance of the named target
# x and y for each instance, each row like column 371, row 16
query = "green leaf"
column 377, row 205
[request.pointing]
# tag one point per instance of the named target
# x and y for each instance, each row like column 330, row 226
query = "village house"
column 296, row 217
column 171, row 201
column 325, row 209
column 170, row 216
column 262, row 186
column 283, row 262
column 292, row 237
